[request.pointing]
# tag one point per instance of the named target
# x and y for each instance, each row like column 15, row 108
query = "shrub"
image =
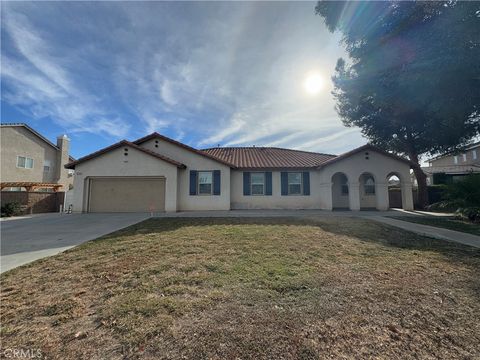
column 470, row 213
column 10, row 209
column 461, row 197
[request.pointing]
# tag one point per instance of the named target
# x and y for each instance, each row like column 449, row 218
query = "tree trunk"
column 422, row 187
column 421, row 181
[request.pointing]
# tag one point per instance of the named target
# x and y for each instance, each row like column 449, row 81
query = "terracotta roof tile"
column 268, row 157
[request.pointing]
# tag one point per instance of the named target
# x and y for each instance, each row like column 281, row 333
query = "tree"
column 412, row 83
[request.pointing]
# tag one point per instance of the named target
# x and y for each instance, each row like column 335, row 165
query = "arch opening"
column 368, row 192
column 340, row 192
column 395, row 195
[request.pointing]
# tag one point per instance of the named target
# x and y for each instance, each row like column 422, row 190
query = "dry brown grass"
column 248, row 288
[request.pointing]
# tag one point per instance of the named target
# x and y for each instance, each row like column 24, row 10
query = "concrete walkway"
column 431, row 231
column 28, row 238
column 25, row 239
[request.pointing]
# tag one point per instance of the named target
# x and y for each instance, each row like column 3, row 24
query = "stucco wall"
column 377, row 164
column 18, row 141
column 115, row 163
column 197, row 162
column 449, row 160
column 276, row 200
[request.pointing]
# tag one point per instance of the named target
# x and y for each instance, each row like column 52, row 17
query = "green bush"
column 461, row 197
column 10, row 209
column 470, row 213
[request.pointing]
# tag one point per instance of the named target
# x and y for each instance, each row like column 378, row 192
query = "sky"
column 204, row 73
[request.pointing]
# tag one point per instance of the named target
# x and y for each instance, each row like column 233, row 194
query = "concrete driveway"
column 26, row 239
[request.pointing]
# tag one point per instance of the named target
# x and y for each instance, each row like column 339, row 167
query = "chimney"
column 63, row 143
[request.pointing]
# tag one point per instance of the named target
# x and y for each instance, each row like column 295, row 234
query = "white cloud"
column 206, row 73
column 37, row 80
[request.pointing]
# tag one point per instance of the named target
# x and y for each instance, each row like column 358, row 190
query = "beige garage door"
column 124, row 194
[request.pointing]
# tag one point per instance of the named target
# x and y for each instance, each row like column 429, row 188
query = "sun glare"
column 314, row 83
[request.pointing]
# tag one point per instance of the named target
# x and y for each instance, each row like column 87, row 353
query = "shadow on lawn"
column 362, row 229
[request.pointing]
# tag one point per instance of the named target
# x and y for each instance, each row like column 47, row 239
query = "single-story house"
column 156, row 173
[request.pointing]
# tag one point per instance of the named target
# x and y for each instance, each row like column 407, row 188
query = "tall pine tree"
column 412, row 83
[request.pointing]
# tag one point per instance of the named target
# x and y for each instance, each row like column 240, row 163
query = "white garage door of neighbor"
column 124, row 194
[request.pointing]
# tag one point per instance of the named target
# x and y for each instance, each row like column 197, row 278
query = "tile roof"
column 72, row 164
column 268, row 157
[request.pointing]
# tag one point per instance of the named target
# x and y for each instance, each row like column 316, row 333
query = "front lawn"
column 442, row 222
column 248, row 288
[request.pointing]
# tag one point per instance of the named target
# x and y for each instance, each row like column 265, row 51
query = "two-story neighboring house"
column 31, row 162
column 449, row 168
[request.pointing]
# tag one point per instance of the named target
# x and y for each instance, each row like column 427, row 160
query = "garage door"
column 124, row 194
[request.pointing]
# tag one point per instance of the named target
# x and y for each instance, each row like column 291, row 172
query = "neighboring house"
column 155, row 173
column 31, row 162
column 448, row 168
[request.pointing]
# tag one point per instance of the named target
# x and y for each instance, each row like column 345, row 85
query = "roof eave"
column 115, row 146
column 184, row 146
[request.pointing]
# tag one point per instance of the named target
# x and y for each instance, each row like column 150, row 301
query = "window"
column 294, row 183
column 205, row 182
column 344, row 185
column 474, row 154
column 369, row 186
column 257, row 183
column 46, row 166
column 24, row 162
column 455, row 159
column 464, row 157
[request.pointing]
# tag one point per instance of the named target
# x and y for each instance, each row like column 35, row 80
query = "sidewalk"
column 431, row 231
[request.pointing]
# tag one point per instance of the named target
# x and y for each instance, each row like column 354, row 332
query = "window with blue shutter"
column 306, row 183
column 246, row 183
column 193, row 182
column 268, row 183
column 216, row 182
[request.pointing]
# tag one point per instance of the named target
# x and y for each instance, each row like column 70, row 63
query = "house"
column 447, row 168
column 30, row 162
column 156, row 173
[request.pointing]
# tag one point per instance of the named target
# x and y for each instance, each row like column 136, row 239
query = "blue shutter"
column 306, row 183
column 246, row 183
column 268, row 183
column 216, row 182
column 284, row 182
column 193, row 182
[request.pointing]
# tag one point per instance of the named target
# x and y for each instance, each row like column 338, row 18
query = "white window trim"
column 48, row 164
column 198, row 182
column 263, row 184
column 455, row 159
column 25, row 167
column 301, row 183
column 464, row 156
column 474, row 154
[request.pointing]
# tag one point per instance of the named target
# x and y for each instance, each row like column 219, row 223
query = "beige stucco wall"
column 197, row 162
column 115, row 163
column 449, row 160
column 377, row 164
column 18, row 141
column 276, row 200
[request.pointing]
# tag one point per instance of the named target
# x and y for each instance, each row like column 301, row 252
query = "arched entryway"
column 340, row 196
column 394, row 191
column 368, row 191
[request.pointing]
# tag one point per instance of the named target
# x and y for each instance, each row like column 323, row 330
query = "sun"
column 314, row 83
